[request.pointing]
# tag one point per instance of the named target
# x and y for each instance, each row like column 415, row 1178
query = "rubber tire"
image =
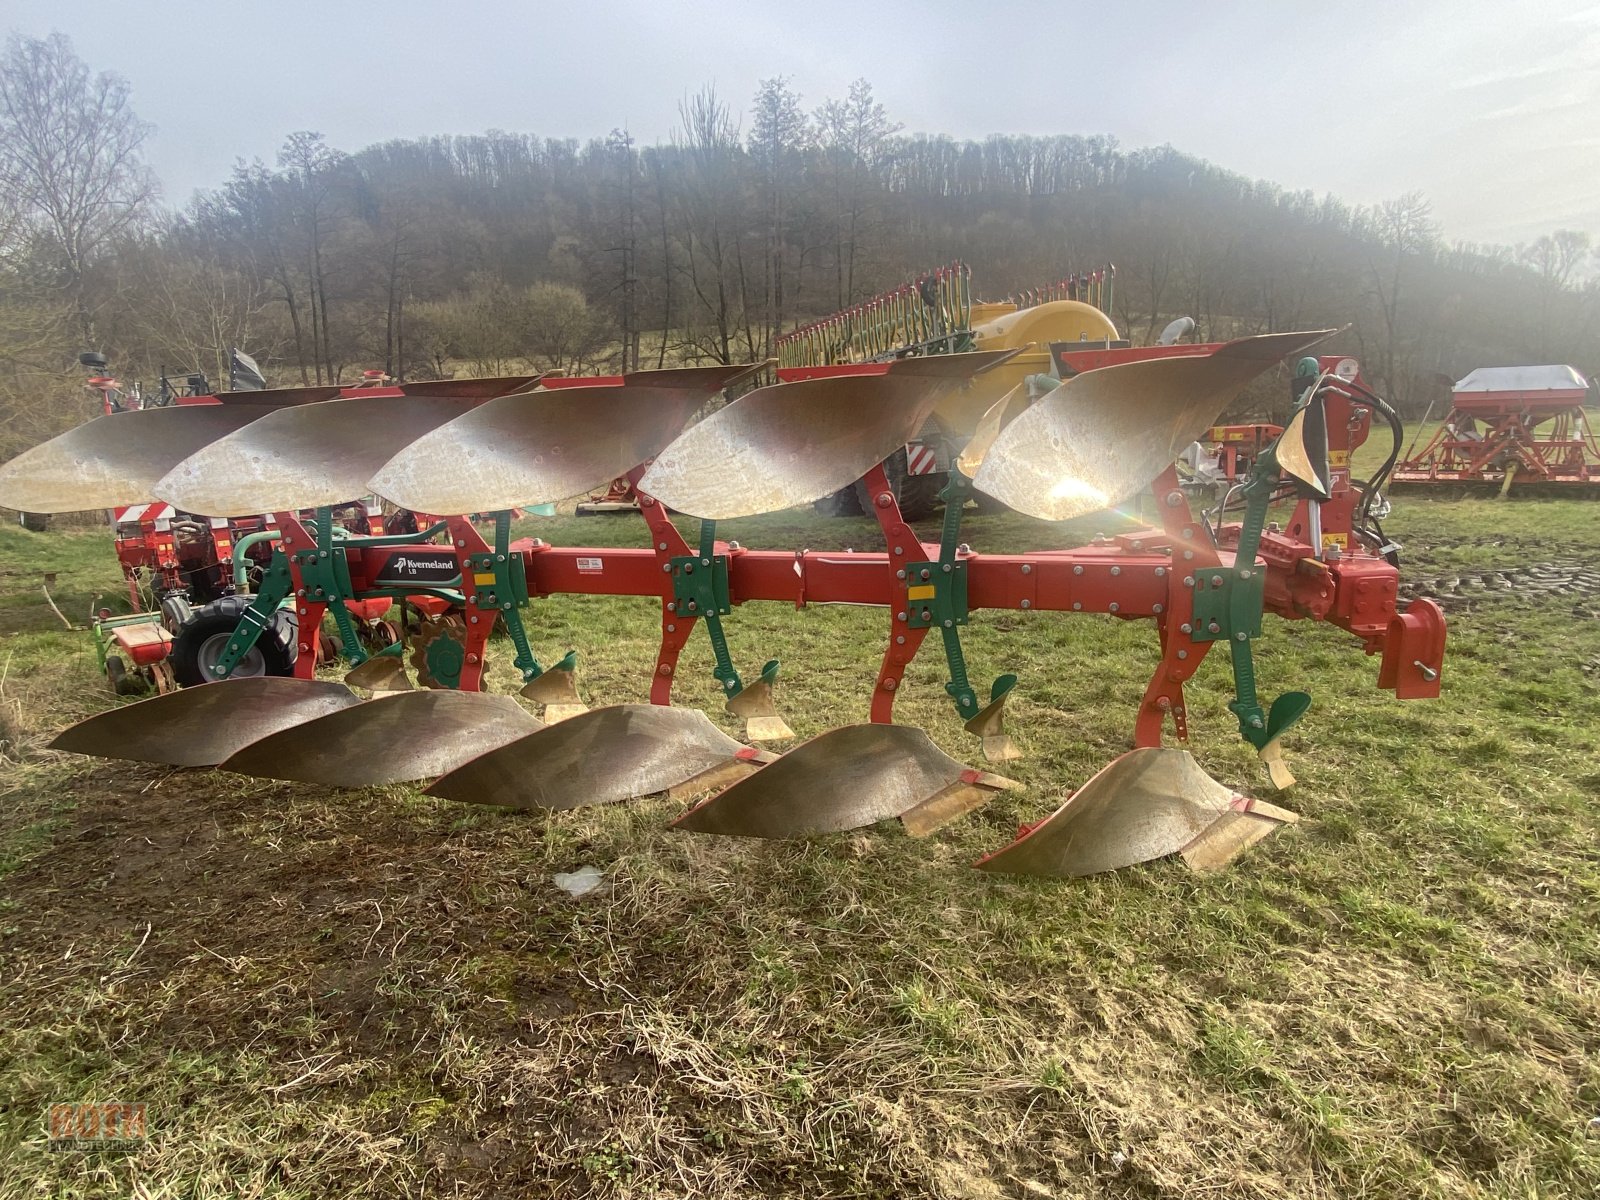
column 843, row 503
column 176, row 612
column 35, row 522
column 122, row 683
column 276, row 644
column 919, row 495
column 894, row 470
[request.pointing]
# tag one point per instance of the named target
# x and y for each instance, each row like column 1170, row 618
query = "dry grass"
column 374, row 993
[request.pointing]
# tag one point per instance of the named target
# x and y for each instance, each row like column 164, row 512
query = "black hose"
column 1381, row 475
column 1368, row 527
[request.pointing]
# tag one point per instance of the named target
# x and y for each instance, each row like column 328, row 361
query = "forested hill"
column 484, row 253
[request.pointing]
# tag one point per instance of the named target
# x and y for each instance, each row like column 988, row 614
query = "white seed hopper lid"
column 1548, row 378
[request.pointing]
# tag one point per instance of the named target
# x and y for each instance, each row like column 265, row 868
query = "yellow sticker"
column 1338, row 458
column 482, row 580
column 1341, row 540
column 924, row 591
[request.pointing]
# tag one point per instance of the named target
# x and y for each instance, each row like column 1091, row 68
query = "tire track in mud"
column 1529, row 585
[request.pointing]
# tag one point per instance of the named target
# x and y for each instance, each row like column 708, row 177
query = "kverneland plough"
column 1099, row 439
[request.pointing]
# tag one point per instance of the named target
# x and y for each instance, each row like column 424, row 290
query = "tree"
column 561, row 331
column 854, row 134
column 310, row 164
column 507, row 251
column 710, row 194
column 193, row 307
column 485, row 326
column 69, row 145
column 1404, row 232
column 779, row 135
column 1554, row 258
column 1556, row 255
column 611, row 226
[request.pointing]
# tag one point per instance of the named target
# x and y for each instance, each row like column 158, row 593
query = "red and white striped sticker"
column 142, row 512
column 920, row 459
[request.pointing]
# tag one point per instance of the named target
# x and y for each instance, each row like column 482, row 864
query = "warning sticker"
column 1341, row 540
column 1338, row 458
column 591, row 566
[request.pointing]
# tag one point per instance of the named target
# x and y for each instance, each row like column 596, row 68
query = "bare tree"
column 485, row 326
column 709, row 195
column 1554, row 258
column 708, row 245
column 193, row 307
column 561, row 330
column 611, row 227
column 1405, row 232
column 1556, row 255
column 71, row 147
column 310, row 163
column 854, row 133
column 254, row 208
column 779, row 134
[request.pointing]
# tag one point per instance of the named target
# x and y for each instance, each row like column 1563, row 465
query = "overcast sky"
column 1491, row 108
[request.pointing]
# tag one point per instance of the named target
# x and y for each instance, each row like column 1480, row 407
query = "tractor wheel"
column 35, row 522
column 843, row 503
column 919, row 495
column 200, row 643
column 894, row 469
column 175, row 612
column 122, row 683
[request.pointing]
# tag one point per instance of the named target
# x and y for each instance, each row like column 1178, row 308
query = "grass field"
column 375, row 993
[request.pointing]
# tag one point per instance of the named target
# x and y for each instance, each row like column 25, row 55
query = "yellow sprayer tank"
column 1005, row 327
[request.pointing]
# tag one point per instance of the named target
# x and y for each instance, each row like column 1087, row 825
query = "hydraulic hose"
column 241, row 571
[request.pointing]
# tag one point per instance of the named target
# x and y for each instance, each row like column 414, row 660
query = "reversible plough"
column 1098, row 440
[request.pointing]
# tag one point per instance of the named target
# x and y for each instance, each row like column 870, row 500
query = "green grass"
column 376, row 993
